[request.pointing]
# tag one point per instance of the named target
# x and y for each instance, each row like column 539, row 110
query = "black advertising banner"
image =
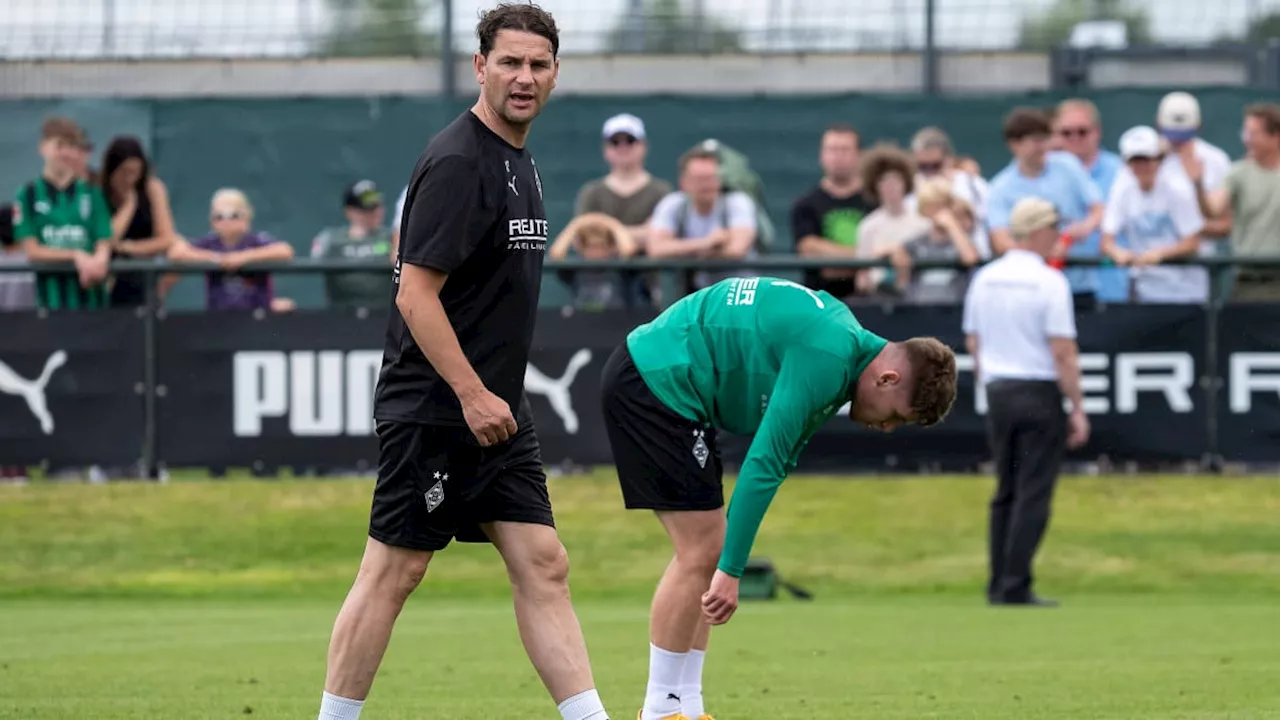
column 71, row 388
column 1249, row 401
column 296, row 390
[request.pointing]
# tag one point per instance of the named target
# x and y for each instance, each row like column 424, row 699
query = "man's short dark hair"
column 61, row 128
column 1266, row 113
column 695, row 154
column 882, row 160
column 933, row 370
column 843, row 129
column 1024, row 123
column 523, row 17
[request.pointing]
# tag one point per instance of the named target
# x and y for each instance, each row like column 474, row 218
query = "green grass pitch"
column 203, row 599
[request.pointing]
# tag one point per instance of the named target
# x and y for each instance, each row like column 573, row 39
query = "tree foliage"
column 665, row 26
column 379, row 28
column 1053, row 27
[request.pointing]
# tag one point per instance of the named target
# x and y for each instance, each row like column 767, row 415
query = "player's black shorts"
column 665, row 461
column 436, row 483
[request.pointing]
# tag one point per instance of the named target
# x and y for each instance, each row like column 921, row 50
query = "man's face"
column 60, row 153
column 1256, row 139
column 595, row 245
column 1078, row 133
column 931, row 162
column 518, row 75
column 622, row 151
column 366, row 219
column 1030, row 149
column 883, row 402
column 701, row 180
column 839, row 156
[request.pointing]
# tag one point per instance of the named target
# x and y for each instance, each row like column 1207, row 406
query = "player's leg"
column 1042, row 444
column 411, row 517
column 1002, row 434
column 676, row 627
column 514, row 512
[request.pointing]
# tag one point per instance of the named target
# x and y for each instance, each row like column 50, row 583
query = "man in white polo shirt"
column 1020, row 328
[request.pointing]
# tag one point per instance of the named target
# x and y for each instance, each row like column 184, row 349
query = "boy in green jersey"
column 753, row 356
column 61, row 218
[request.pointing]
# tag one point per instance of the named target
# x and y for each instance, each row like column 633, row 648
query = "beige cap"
column 1031, row 214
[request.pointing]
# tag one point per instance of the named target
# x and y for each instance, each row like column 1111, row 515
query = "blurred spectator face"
column 60, row 153
column 595, row 244
column 1144, row 169
column 839, row 156
column 1030, row 149
column 1078, row 132
column 931, row 162
column 624, row 152
column 127, row 175
column 371, row 219
column 701, row 180
column 1256, row 138
column 230, row 216
column 891, row 189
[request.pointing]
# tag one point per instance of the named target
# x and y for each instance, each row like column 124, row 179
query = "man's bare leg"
column 538, row 568
column 387, row 577
column 675, row 623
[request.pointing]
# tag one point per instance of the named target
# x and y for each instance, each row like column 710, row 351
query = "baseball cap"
column 363, row 195
column 1031, row 214
column 1140, row 141
column 1179, row 116
column 624, row 124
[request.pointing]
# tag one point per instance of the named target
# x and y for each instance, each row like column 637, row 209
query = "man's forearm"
column 1069, row 380
column 427, row 322
column 751, row 498
column 42, row 253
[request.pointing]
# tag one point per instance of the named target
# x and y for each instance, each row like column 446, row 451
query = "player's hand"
column 489, row 417
column 1193, row 166
column 721, row 600
column 1077, row 429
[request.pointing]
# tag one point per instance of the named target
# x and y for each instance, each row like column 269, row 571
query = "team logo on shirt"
column 435, row 495
column 511, row 179
column 700, row 450
column 526, row 235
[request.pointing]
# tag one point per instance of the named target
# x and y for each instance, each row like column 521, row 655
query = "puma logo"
column 33, row 391
column 556, row 390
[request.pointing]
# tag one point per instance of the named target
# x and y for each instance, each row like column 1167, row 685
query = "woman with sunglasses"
column 935, row 157
column 235, row 247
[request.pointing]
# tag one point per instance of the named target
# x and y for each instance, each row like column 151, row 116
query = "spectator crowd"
column 1166, row 193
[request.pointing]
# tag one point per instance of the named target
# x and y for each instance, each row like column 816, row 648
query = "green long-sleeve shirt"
column 761, row 356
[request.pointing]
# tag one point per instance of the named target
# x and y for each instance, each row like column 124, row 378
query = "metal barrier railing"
column 1220, row 274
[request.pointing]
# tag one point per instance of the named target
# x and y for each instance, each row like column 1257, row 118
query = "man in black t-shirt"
column 458, row 454
column 824, row 223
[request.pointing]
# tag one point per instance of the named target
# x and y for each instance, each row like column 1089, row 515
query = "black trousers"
column 1028, row 431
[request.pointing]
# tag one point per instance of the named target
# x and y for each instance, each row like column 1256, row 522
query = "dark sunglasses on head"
column 226, row 216
column 1076, row 132
column 621, row 140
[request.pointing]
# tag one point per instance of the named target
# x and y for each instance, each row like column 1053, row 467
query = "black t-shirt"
column 473, row 210
column 832, row 218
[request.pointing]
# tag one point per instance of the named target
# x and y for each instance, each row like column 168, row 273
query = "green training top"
column 755, row 355
column 71, row 218
column 355, row 288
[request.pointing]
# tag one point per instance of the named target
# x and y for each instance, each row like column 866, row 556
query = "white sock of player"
column 691, row 685
column 666, row 670
column 333, row 707
column 585, row 705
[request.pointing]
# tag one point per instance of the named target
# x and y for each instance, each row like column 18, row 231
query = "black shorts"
column 665, row 461
column 435, row 483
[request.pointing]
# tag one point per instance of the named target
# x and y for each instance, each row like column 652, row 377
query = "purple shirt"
column 242, row 290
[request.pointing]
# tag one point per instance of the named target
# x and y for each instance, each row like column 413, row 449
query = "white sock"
column 585, row 705
column 662, row 698
column 691, row 685
column 333, row 707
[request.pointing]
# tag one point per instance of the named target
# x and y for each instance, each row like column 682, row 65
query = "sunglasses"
column 622, row 141
column 226, row 216
column 932, row 168
column 1076, row 132
column 1142, row 159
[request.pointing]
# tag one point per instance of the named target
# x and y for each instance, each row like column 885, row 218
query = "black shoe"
column 1032, row 600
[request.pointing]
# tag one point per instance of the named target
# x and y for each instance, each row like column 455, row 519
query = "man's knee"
column 393, row 571
column 698, row 538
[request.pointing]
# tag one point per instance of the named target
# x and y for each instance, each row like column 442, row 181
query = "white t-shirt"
column 1157, row 219
column 732, row 210
column 1014, row 306
column 1216, row 166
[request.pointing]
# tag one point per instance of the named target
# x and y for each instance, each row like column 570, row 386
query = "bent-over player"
column 761, row 356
